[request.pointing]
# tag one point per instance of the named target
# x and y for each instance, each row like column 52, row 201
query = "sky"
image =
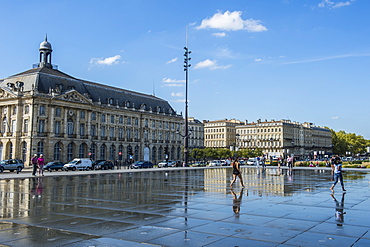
column 303, row 60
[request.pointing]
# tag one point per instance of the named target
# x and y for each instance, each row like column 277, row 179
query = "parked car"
column 198, row 163
column 104, row 165
column 169, row 163
column 80, row 163
column 12, row 165
column 142, row 164
column 1, row 168
column 251, row 161
column 54, row 165
column 215, row 163
column 95, row 163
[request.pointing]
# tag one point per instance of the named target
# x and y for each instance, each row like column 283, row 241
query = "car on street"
column 104, row 165
column 169, row 163
column 142, row 164
column 1, row 168
column 215, row 163
column 54, row 165
column 198, row 163
column 12, row 165
column 95, row 163
column 251, row 161
column 79, row 163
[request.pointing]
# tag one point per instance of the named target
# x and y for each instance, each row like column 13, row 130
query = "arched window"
column 57, row 151
column 40, row 148
column 102, row 151
column 93, row 151
column 82, row 151
column 160, row 151
column 70, row 151
column 120, row 152
column 136, row 157
column 154, row 155
column 112, row 151
column 24, row 151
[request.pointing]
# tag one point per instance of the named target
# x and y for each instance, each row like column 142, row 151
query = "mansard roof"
column 44, row 80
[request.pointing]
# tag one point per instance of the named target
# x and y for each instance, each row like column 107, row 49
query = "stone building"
column 285, row 138
column 196, row 138
column 220, row 133
column 45, row 111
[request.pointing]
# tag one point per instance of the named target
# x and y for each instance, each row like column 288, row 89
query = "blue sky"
column 303, row 60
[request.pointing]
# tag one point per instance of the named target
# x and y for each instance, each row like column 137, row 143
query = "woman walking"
column 236, row 172
column 337, row 172
column 40, row 163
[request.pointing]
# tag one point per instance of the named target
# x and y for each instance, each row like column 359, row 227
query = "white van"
column 81, row 164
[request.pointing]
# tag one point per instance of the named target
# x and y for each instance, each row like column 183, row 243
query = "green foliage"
column 344, row 143
column 222, row 153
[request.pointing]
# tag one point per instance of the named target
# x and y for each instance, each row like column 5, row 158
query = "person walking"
column 40, row 163
column 236, row 172
column 34, row 164
column 337, row 172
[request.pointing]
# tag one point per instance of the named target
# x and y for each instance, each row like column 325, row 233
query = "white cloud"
column 172, row 60
column 212, row 65
column 219, row 34
column 336, row 117
column 105, row 61
column 169, row 80
column 172, row 82
column 329, row 58
column 330, row 4
column 177, row 94
column 258, row 59
column 231, row 21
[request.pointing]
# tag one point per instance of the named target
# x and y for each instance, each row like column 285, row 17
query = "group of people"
column 38, row 164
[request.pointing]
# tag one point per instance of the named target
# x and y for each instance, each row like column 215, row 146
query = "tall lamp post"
column 186, row 134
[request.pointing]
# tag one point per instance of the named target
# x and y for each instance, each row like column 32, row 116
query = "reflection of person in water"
column 237, row 201
column 339, row 208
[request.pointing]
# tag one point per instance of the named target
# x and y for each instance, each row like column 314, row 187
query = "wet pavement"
column 185, row 207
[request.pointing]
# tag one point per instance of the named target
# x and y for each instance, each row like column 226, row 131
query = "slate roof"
column 44, row 79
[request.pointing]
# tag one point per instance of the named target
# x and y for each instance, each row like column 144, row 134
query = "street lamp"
column 186, row 134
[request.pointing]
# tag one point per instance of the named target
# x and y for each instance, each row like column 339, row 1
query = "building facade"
column 196, row 138
column 45, row 111
column 285, row 138
column 220, row 133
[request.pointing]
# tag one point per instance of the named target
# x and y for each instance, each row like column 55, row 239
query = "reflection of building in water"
column 216, row 178
column 14, row 197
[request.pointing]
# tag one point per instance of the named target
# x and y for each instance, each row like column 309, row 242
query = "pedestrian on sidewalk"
column 236, row 172
column 337, row 172
column 34, row 164
column 40, row 163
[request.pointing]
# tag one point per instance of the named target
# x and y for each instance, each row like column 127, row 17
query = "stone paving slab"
column 184, row 207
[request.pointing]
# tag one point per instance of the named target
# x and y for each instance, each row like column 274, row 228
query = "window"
column 111, row 132
column 129, row 121
column 57, row 127
column 58, row 112
column 70, row 151
column 57, row 151
column 81, row 151
column 41, row 128
column 14, row 126
column 5, row 124
column 160, row 124
column 102, row 152
column 136, row 133
column 82, row 129
column 25, row 125
column 128, row 133
column 120, row 133
column 70, row 127
column 14, row 110
column 82, row 114
column 93, row 130
column 93, row 116
column 112, row 151
column 26, row 109
column 136, row 122
column 102, row 131
column 120, row 120
column 153, row 123
column 42, row 110
column 102, row 118
column 40, row 148
column 110, row 101
column 112, row 119
column 93, row 151
column 146, row 123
